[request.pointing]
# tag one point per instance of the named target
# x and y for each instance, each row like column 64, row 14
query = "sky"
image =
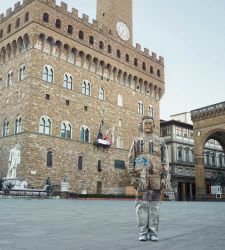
column 190, row 35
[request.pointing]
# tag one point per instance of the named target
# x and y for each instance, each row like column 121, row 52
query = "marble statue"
column 14, row 160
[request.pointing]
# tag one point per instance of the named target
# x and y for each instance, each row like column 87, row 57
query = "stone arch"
column 14, row 47
column 88, row 62
column 129, row 80
column 57, row 47
column 65, row 52
column 3, row 54
column 72, row 55
column 20, row 45
column 114, row 73
column 26, row 41
column 8, row 50
column 80, row 59
column 48, row 47
column 101, row 69
column 109, row 70
column 95, row 64
column 155, row 92
column 119, row 75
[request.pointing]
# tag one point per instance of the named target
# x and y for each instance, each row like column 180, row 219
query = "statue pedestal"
column 65, row 186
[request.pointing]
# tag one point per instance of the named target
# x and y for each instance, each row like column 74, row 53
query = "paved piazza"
column 107, row 225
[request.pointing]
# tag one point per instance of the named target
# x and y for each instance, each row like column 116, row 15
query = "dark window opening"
column 9, row 28
column 47, row 97
column 91, row 40
column 1, row 34
column 144, row 66
column 101, row 45
column 49, row 159
column 127, row 58
column 158, row 72
column 18, row 23
column 99, row 166
column 151, row 70
column 109, row 49
column 80, row 163
column 135, row 62
column 85, row 108
column 67, row 102
column 58, row 23
column 70, row 29
column 81, row 34
column 26, row 18
column 46, row 17
column 118, row 53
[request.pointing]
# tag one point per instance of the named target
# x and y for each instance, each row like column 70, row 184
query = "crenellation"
column 154, row 56
column 146, row 52
column 161, row 60
column 16, row 6
column 64, row 6
column 8, row 11
column 95, row 24
column 85, row 18
column 2, row 16
column 138, row 46
column 74, row 13
column 51, row 2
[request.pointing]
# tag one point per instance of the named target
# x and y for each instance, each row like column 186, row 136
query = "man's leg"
column 154, row 209
column 142, row 218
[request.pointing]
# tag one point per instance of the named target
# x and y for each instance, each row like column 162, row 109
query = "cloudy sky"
column 190, row 35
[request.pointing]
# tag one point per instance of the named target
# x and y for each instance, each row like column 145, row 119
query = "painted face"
column 148, row 126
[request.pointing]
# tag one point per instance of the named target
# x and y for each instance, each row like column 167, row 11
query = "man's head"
column 148, row 124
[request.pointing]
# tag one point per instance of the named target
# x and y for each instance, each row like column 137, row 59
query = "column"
column 200, row 177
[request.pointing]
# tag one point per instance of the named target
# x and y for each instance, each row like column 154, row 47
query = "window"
column 165, row 130
column 135, row 61
column 67, row 103
column 66, row 130
column 47, row 97
column 109, row 49
column 45, row 125
column 119, row 164
column 118, row 53
column 86, row 88
column 48, row 74
column 17, row 22
column 80, row 162
column 18, row 125
column 46, row 17
column 127, row 58
column 70, row 29
column 158, row 72
column 140, row 108
column 49, row 159
column 91, row 40
column 144, row 66
column 179, row 153
column 101, row 95
column 81, row 34
column 99, row 166
column 101, row 45
column 151, row 111
column 151, row 70
column 5, row 128
column 10, row 78
column 58, row 23
column 22, row 72
column 68, row 81
column 84, row 134
column 120, row 100
column 26, row 18
column 1, row 34
column 119, row 142
column 85, row 108
column 9, row 28
column 213, row 159
column 187, row 155
column 178, row 131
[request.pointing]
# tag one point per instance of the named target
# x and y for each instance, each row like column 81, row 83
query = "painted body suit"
column 148, row 169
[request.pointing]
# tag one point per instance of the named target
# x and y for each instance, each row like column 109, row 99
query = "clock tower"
column 116, row 16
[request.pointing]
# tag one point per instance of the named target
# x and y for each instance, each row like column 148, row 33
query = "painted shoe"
column 154, row 238
column 143, row 237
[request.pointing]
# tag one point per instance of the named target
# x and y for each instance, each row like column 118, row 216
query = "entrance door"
column 99, row 187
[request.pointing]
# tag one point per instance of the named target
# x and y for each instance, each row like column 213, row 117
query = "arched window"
column 80, row 162
column 17, row 22
column 151, row 111
column 179, row 153
column 151, row 70
column 49, row 158
column 1, row 34
column 84, row 134
column 68, row 81
column 109, row 49
column 26, row 17
column 48, row 73
column 22, row 70
column 86, row 88
column 46, row 17
column 127, row 58
column 144, row 66
column 91, row 40
column 119, row 142
column 10, row 78
column 45, row 125
column 101, row 95
column 140, row 108
column 120, row 100
column 70, row 29
column 81, row 34
column 58, row 23
column 118, row 53
column 101, row 45
column 9, row 28
column 18, row 125
column 5, row 130
column 66, row 130
column 135, row 61
column 158, row 72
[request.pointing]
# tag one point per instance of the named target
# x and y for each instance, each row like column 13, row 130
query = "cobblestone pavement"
column 107, row 225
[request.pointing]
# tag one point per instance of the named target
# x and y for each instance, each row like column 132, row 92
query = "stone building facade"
column 178, row 134
column 61, row 77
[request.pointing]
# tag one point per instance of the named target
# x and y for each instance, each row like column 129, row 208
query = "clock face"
column 123, row 31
